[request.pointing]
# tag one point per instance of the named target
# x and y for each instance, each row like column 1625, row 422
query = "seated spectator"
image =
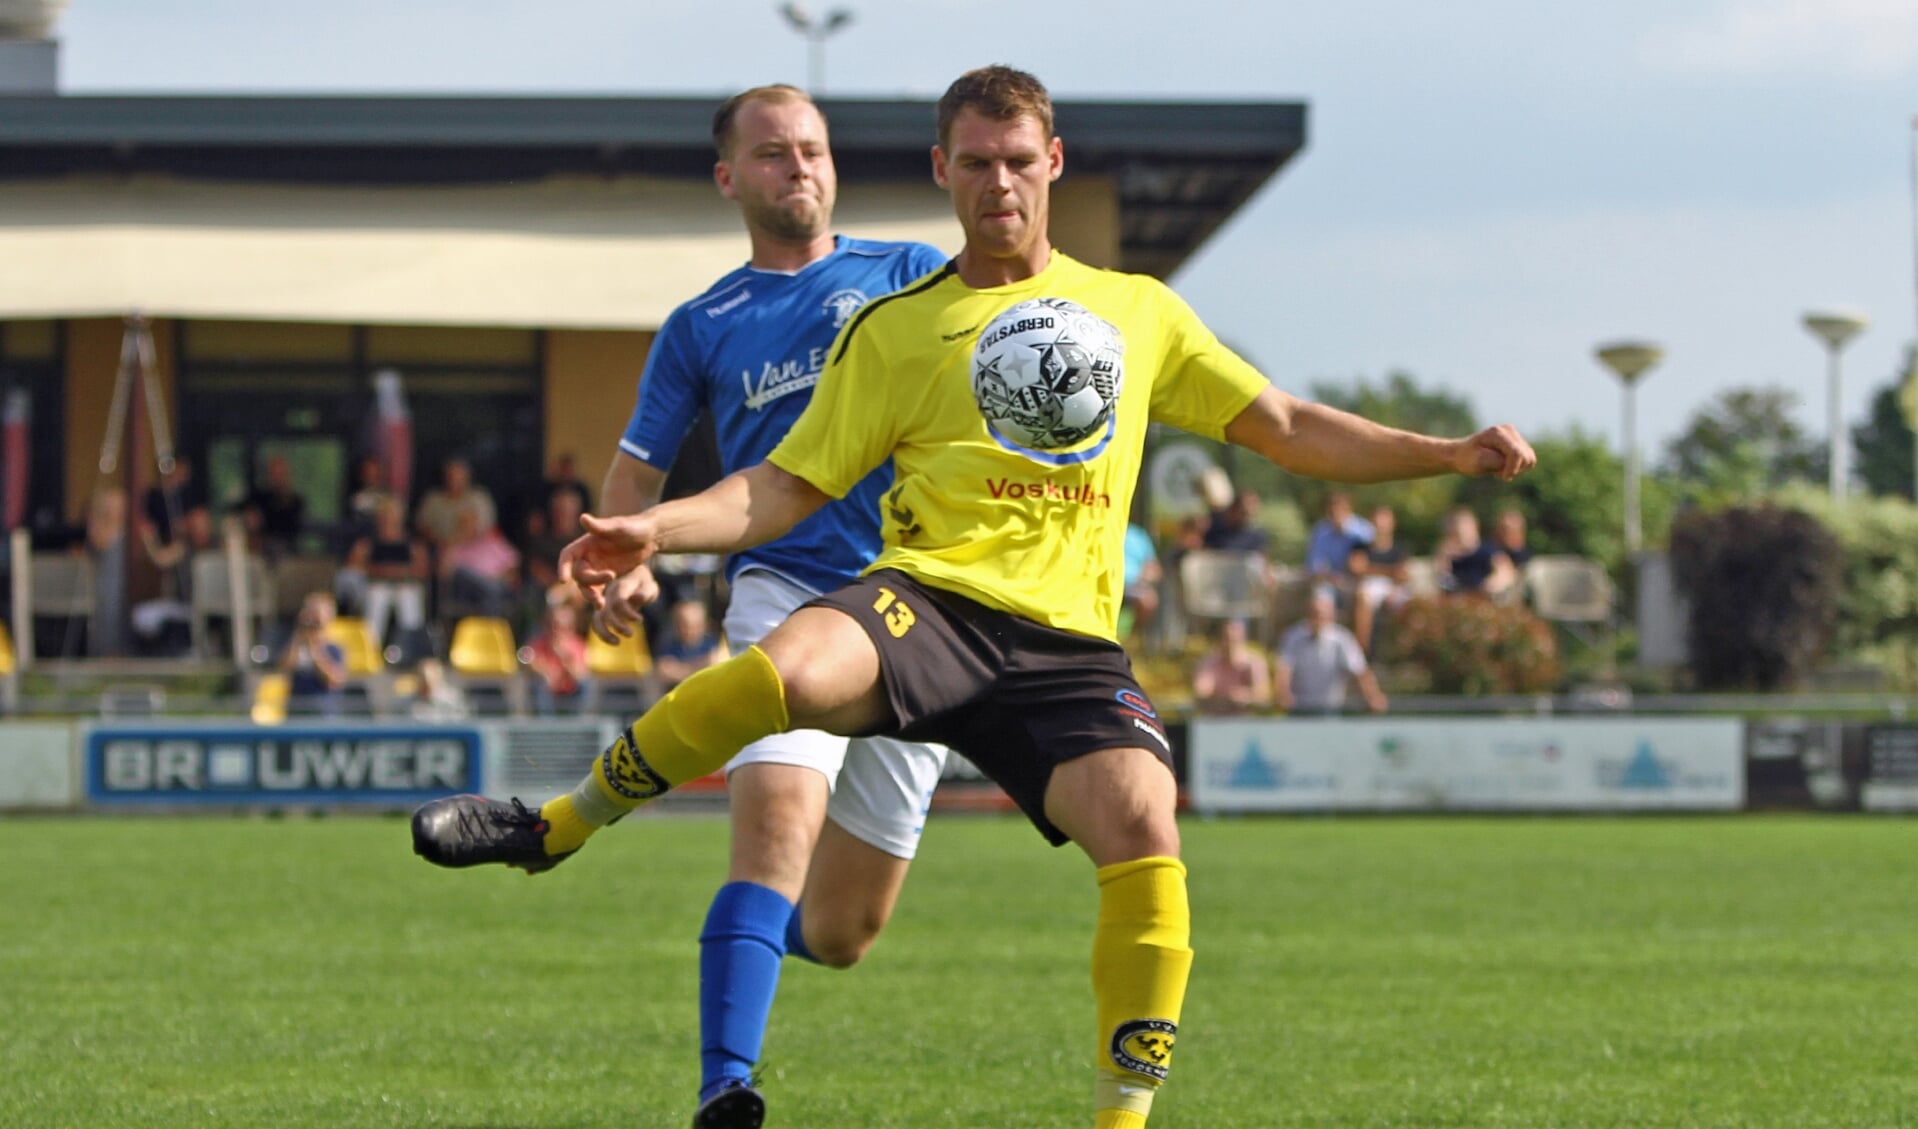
column 167, row 502
column 165, row 623
column 1380, row 570
column 275, row 512
column 315, row 665
column 1233, row 677
column 559, row 526
column 479, row 568
column 438, row 519
column 1467, row 564
column 1236, row 527
column 369, row 493
column 1318, row 658
column 690, row 647
column 1142, row 576
column 389, row 567
column 1328, row 549
column 558, row 661
column 1508, row 539
column 565, row 480
column 435, row 697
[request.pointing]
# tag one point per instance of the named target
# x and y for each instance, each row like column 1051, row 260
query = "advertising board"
column 1570, row 764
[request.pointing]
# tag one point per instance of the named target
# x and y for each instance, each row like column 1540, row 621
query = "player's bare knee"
column 843, row 944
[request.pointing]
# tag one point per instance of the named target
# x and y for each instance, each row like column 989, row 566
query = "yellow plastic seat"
column 269, row 699
column 483, row 645
column 629, row 658
column 355, row 637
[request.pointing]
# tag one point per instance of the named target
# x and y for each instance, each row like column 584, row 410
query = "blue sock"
column 739, row 954
column 796, row 936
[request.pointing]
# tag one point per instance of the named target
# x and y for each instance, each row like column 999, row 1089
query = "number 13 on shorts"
column 897, row 614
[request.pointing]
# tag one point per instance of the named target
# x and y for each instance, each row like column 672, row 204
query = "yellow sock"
column 693, row 730
column 1141, row 956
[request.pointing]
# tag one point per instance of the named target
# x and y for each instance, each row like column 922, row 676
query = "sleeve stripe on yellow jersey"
column 926, row 283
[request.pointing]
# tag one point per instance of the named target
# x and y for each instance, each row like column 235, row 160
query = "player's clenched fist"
column 1497, row 451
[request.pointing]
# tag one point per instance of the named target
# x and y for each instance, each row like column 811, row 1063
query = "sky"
column 1490, row 188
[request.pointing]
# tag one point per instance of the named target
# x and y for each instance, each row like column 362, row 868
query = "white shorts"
column 881, row 787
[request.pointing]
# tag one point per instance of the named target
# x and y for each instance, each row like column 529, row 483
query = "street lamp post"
column 815, row 29
column 1630, row 360
column 1836, row 329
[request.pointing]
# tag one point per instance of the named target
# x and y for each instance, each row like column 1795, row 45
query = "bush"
column 1763, row 584
column 1878, row 601
column 1474, row 646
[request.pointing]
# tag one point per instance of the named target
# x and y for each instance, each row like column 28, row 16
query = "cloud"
column 1861, row 39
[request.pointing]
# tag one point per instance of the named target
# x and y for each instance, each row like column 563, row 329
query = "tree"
column 1742, row 444
column 1576, row 503
column 1397, row 401
column 1884, row 441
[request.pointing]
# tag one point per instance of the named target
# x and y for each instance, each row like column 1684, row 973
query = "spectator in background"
column 435, row 698
column 1508, row 539
column 690, row 647
column 167, row 501
column 457, row 495
column 559, row 526
column 1380, row 569
column 165, row 623
column 1318, row 659
column 369, row 493
column 389, row 567
column 1233, row 677
column 558, row 661
column 315, row 666
column 1469, row 565
column 1235, row 528
column 275, row 511
column 479, row 567
column 1328, row 549
column 1142, row 576
column 565, row 480
column 106, row 543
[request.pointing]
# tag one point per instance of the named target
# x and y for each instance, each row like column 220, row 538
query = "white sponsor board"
column 36, row 766
column 1581, row 764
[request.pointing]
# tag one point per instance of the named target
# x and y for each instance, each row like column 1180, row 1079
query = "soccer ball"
column 1046, row 373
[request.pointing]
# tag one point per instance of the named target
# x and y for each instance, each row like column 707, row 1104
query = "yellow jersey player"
column 1012, row 391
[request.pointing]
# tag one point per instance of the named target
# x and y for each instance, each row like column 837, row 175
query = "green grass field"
column 1363, row 972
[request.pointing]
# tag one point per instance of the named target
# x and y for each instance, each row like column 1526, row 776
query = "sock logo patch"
column 626, row 773
column 1144, row 1046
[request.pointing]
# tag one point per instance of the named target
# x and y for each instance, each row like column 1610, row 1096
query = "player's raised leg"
column 1119, row 805
column 818, row 670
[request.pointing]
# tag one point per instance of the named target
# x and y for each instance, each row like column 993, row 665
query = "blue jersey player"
column 819, row 823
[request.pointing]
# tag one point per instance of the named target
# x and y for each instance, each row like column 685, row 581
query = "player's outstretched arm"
column 1323, row 442
column 746, row 508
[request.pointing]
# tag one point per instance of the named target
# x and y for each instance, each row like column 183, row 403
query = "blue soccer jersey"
column 750, row 350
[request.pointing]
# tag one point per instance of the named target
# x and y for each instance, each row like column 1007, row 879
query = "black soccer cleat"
column 473, row 830
column 738, row 1106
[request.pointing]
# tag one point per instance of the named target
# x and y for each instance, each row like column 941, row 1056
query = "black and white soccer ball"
column 1046, row 373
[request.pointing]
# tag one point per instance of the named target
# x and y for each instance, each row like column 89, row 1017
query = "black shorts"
column 1014, row 696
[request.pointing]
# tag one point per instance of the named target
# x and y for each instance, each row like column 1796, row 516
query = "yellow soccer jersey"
column 1015, row 417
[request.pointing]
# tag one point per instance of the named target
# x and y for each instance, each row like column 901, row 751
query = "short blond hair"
column 776, row 93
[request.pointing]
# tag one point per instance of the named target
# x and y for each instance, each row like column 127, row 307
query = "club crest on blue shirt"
column 841, row 305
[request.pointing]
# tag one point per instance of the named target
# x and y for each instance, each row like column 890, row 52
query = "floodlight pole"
column 1836, row 329
column 1630, row 360
column 816, row 30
